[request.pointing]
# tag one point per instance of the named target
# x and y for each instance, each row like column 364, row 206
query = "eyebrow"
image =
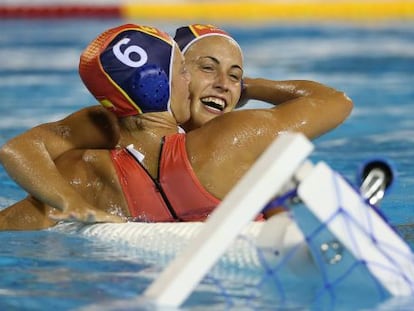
column 218, row 62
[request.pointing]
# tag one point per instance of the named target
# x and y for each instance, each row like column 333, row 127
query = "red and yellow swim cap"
column 128, row 69
column 187, row 35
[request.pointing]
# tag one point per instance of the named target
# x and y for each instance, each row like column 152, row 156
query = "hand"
column 243, row 96
column 86, row 215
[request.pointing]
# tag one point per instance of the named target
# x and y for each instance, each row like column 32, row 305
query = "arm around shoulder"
column 319, row 107
column 277, row 92
column 223, row 149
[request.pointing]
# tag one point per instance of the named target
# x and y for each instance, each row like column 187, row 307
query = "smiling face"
column 216, row 67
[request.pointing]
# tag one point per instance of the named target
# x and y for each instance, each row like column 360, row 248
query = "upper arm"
column 92, row 127
column 249, row 132
column 293, row 92
column 302, row 105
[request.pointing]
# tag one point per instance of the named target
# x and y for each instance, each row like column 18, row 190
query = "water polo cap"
column 187, row 35
column 128, row 69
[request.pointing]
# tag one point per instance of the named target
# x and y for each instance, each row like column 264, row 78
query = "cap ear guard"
column 150, row 86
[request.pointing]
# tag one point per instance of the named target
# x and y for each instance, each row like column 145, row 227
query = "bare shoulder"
column 222, row 150
column 92, row 127
column 236, row 130
column 97, row 115
column 238, row 137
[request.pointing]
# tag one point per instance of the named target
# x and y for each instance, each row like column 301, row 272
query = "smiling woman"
column 215, row 61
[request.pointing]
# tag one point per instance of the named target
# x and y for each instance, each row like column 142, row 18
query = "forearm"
column 300, row 105
column 278, row 92
column 31, row 167
column 37, row 173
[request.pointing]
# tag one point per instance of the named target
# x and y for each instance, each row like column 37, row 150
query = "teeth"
column 215, row 100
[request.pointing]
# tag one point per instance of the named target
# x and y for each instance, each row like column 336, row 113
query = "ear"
column 151, row 88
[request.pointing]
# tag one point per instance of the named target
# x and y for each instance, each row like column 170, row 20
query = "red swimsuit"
column 176, row 195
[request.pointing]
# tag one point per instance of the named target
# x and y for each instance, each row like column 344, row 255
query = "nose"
column 221, row 82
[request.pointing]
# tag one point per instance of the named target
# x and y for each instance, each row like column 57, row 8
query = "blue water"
column 373, row 64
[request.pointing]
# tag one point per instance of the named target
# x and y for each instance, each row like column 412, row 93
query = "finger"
column 85, row 216
column 62, row 216
column 105, row 217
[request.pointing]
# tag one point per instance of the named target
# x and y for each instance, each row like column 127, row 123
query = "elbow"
column 6, row 153
column 340, row 105
column 347, row 103
column 2, row 155
column 13, row 153
column 338, row 100
column 337, row 109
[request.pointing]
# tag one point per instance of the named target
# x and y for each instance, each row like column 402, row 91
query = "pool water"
column 372, row 63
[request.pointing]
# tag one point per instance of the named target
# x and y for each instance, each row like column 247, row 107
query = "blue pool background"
column 373, row 64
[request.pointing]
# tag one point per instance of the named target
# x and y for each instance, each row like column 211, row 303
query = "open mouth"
column 214, row 103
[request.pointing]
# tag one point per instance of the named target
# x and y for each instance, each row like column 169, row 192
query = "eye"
column 235, row 78
column 208, row 68
column 207, row 65
column 235, row 75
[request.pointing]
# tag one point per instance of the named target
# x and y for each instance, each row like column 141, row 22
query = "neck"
column 146, row 132
column 147, row 128
column 162, row 122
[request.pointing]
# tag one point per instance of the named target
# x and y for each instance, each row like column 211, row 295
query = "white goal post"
column 261, row 183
